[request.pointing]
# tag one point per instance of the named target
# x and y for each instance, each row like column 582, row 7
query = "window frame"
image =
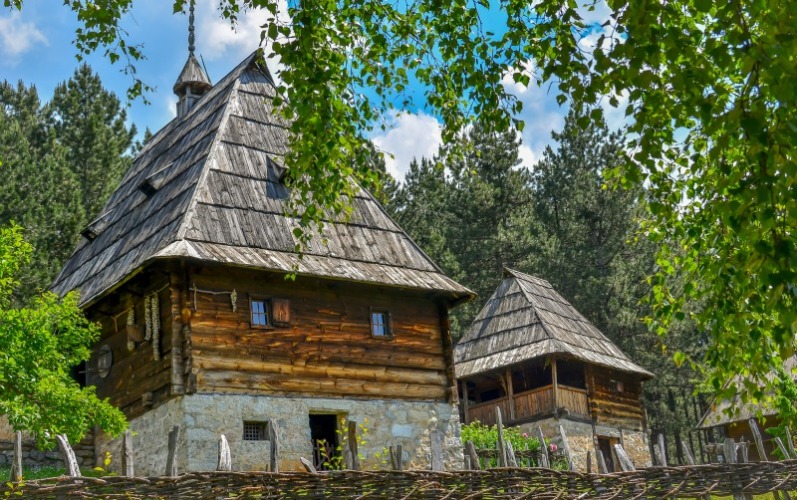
column 388, row 325
column 263, row 426
column 266, row 309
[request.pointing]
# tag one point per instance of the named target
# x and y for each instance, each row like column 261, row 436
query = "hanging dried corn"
column 131, row 320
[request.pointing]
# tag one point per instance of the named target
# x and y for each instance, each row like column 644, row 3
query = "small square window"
column 260, row 312
column 255, row 431
column 380, row 324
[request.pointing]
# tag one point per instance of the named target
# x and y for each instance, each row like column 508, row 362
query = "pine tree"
column 89, row 122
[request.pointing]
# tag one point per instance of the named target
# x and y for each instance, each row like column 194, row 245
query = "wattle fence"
column 700, row 481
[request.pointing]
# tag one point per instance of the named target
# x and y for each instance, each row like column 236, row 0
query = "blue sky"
column 36, row 47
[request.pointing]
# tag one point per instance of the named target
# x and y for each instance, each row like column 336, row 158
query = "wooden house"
column 185, row 271
column 532, row 354
column 730, row 418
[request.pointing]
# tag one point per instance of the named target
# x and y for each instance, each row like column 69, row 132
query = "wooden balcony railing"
column 531, row 403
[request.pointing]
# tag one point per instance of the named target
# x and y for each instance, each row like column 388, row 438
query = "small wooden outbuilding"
column 531, row 353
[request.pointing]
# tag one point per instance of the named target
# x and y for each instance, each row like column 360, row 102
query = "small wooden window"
column 255, row 431
column 260, row 313
column 380, row 323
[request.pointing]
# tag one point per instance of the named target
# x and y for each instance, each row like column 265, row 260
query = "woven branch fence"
column 653, row 482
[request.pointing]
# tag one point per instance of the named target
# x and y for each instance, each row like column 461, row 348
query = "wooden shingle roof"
column 207, row 187
column 526, row 318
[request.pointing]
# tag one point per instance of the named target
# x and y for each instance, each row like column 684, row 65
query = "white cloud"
column 18, row 36
column 409, row 136
column 219, row 40
column 528, row 158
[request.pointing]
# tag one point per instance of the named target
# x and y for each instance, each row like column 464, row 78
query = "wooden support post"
column 743, row 447
column 470, row 449
column 399, row 458
column 662, row 450
column 782, row 448
column 308, row 466
column 16, row 459
column 500, row 444
column 625, row 462
column 224, row 463
column 566, row 448
column 511, row 461
column 171, row 458
column 602, row 469
column 355, row 458
column 790, row 443
column 589, row 462
column 544, row 460
column 555, row 382
column 510, row 394
column 658, row 460
column 70, row 460
column 437, row 450
column 465, row 400
column 690, row 459
column 128, row 468
column 274, row 448
column 759, row 441
column 729, row 451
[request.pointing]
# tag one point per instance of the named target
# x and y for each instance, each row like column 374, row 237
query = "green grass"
column 44, row 472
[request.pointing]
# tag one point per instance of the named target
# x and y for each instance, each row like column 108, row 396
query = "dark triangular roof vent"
column 95, row 227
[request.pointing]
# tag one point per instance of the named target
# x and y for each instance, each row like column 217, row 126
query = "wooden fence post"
column 224, row 462
column 436, row 438
column 396, row 458
column 274, row 449
column 566, row 448
column 790, row 443
column 500, row 444
column 602, row 469
column 171, row 462
column 658, row 459
column 16, row 459
column 589, row 462
column 70, row 461
column 128, row 467
column 355, row 457
column 511, row 461
column 470, row 449
column 308, row 466
column 690, row 459
column 544, row 461
column 782, row 448
column 625, row 462
column 662, row 450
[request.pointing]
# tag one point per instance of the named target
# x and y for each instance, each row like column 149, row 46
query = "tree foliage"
column 706, row 86
column 61, row 161
column 39, row 345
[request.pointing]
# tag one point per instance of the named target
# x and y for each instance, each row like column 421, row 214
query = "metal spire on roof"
column 191, row 28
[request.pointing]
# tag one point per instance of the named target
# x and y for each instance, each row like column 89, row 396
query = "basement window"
column 255, row 431
column 380, row 323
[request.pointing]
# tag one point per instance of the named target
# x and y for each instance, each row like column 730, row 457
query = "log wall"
column 608, row 405
column 327, row 348
column 136, row 381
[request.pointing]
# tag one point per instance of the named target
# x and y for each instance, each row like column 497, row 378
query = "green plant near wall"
column 485, row 437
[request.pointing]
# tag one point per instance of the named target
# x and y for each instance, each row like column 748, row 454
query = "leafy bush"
column 526, row 447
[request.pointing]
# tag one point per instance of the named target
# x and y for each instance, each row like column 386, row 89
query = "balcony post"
column 510, row 393
column 554, row 379
column 465, row 401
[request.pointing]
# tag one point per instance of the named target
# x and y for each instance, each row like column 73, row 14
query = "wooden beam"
column 465, row 400
column 555, row 381
column 510, row 393
column 128, row 468
column 171, row 458
column 70, row 460
column 625, row 462
column 224, row 463
column 16, row 460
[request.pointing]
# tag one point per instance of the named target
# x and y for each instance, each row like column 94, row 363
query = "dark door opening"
column 324, row 435
column 606, row 449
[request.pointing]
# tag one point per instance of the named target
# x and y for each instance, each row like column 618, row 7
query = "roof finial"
column 191, row 28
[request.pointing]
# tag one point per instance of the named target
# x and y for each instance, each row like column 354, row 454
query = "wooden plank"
column 662, row 450
column 690, row 459
column 511, row 461
column 15, row 474
column 352, row 437
column 783, row 450
column 308, row 466
column 625, row 462
column 70, row 460
column 128, row 468
column 224, row 462
column 510, row 393
column 436, row 438
column 274, row 447
column 470, row 449
column 566, row 448
column 502, row 460
column 790, row 443
column 171, row 457
column 602, row 469
column 544, row 460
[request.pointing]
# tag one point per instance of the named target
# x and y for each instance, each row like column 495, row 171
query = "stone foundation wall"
column 34, row 457
column 581, row 439
column 203, row 417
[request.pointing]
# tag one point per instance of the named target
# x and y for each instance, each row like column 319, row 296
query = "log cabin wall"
column 326, row 349
column 136, row 381
column 615, row 398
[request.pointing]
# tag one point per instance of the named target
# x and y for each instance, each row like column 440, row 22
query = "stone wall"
column 581, row 438
column 203, row 417
column 34, row 457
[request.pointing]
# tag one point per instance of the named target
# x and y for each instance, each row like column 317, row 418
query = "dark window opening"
column 324, row 436
column 260, row 312
column 380, row 324
column 606, row 449
column 571, row 374
column 531, row 376
column 489, row 395
column 255, row 431
column 78, row 373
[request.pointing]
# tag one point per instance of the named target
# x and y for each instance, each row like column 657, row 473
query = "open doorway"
column 324, row 435
column 606, row 448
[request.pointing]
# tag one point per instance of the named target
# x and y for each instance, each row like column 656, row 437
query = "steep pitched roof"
column 727, row 411
column 526, row 318
column 207, row 187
